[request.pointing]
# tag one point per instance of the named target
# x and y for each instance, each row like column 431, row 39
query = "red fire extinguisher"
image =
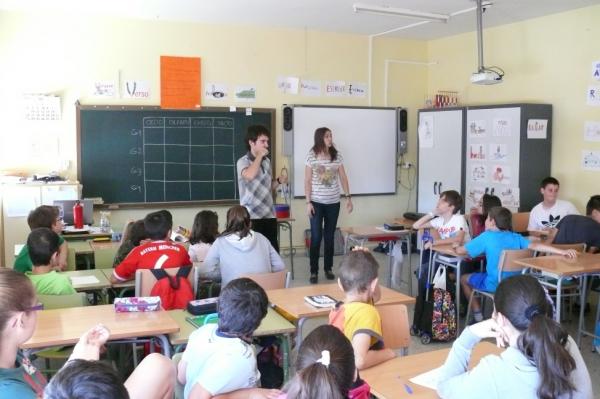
column 78, row 215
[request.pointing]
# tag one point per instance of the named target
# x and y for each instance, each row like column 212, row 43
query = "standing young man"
column 256, row 184
column 551, row 210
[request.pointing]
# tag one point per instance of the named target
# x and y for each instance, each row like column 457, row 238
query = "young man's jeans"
column 322, row 225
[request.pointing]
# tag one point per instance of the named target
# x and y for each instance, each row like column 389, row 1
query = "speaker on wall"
column 402, row 131
column 288, row 130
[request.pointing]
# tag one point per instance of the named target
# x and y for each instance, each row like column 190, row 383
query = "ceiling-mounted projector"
column 486, row 78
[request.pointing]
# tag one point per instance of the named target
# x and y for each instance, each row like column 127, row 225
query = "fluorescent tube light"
column 359, row 7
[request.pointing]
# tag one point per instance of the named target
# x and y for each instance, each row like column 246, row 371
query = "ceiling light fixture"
column 401, row 12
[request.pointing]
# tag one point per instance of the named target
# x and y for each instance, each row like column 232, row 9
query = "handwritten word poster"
column 537, row 128
column 180, row 82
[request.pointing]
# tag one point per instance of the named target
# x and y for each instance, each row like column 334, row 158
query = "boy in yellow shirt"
column 356, row 317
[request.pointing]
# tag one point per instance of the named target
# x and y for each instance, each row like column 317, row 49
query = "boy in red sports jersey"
column 156, row 254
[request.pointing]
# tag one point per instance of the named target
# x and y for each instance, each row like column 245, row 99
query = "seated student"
column 133, row 235
column 204, row 233
column 480, row 212
column 240, row 250
column 549, row 212
column 574, row 229
column 153, row 378
column 160, row 252
column 43, row 251
column 325, row 368
column 220, row 358
column 43, row 216
column 497, row 237
column 356, row 317
column 540, row 361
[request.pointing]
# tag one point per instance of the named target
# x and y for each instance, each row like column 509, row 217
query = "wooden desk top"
column 65, row 326
column 103, row 282
column 95, row 245
column 559, row 265
column 387, row 379
column 272, row 324
column 407, row 223
column 291, row 300
column 373, row 231
column 81, row 247
column 125, row 284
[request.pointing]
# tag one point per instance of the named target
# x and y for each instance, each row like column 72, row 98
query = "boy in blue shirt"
column 497, row 237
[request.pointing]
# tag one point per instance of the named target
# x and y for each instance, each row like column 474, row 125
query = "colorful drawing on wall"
column 590, row 160
column 215, row 91
column 245, row 93
column 498, row 152
column 477, row 152
column 474, row 196
column 591, row 132
column 478, row 173
column 509, row 197
column 500, row 174
column 477, row 129
column 502, row 127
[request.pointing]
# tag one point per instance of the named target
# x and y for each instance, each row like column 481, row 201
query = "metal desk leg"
column 287, row 226
column 165, row 344
column 582, row 301
column 391, row 244
column 409, row 254
column 559, row 299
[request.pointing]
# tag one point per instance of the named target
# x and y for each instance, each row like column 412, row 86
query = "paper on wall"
column 537, row 128
column 335, row 88
column 215, row 91
column 103, row 89
column 502, row 127
column 478, row 173
column 596, row 70
column 136, row 89
column 590, row 160
column 426, row 129
column 509, row 197
column 593, row 96
column 473, row 196
column 500, row 174
column 41, row 107
column 245, row 93
column 288, row 84
column 498, row 152
column 477, row 129
column 591, row 132
column 310, row 88
column 356, row 89
column 477, row 152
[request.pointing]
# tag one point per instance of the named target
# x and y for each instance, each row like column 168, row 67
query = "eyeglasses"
column 39, row 306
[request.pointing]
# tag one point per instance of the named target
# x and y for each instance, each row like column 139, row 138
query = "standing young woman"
column 323, row 174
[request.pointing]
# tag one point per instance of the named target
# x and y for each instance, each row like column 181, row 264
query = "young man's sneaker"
column 313, row 278
column 329, row 274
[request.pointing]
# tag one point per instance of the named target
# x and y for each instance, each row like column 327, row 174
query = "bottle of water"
column 104, row 222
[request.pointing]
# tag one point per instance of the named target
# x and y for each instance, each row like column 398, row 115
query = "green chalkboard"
column 147, row 155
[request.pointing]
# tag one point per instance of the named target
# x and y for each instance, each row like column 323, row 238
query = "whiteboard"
column 366, row 138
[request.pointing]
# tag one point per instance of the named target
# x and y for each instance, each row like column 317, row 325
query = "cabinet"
column 17, row 201
column 440, row 154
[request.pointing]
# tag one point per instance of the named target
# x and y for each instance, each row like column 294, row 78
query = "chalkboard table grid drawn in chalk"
column 131, row 155
column 365, row 136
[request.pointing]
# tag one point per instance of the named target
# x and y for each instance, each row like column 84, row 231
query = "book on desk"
column 320, row 301
column 203, row 319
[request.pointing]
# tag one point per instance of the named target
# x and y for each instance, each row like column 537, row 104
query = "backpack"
column 443, row 318
column 174, row 291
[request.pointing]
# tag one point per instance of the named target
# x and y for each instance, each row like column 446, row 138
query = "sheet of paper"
column 593, row 95
column 477, row 129
column 426, row 132
column 502, row 127
column 246, row 94
column 215, row 91
column 310, row 88
column 83, row 280
column 180, row 82
column 428, row 379
column 537, row 128
column 356, row 89
column 136, row 89
column 335, row 88
column 591, row 131
column 596, row 70
column 590, row 160
column 288, row 84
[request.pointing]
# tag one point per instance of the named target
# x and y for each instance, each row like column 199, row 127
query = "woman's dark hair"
column 136, row 232
column 502, row 217
column 205, row 228
column 523, row 301
column 489, row 201
column 320, row 147
column 315, row 380
column 16, row 294
column 238, row 222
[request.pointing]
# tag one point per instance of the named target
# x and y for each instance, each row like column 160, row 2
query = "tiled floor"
column 301, row 269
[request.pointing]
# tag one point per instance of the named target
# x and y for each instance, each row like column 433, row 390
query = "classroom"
column 63, row 49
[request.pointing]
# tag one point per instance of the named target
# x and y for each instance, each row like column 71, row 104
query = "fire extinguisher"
column 78, row 215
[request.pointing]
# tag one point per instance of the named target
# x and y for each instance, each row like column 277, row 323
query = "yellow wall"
column 65, row 55
column 546, row 60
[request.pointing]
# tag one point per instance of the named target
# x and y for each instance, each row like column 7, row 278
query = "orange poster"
column 179, row 82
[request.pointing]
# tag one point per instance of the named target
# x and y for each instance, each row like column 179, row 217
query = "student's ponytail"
column 543, row 341
column 325, row 366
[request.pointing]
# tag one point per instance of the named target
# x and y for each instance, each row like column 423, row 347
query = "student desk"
column 286, row 224
column 373, row 233
column 291, row 304
column 93, row 232
column 272, row 324
column 102, row 283
column 387, row 379
column 64, row 326
column 123, row 286
column 447, row 256
column 560, row 268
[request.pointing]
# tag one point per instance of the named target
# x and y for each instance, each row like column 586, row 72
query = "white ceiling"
column 323, row 15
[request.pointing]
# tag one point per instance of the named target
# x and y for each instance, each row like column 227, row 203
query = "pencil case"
column 202, row 306
column 137, row 304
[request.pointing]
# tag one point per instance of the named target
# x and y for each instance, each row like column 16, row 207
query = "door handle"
column 434, row 188
column 440, row 188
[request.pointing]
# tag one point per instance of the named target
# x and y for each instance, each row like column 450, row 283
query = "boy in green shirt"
column 43, row 216
column 43, row 251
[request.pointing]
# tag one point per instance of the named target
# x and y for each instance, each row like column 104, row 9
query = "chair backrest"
column 271, row 281
column 477, row 224
column 104, row 257
column 395, row 326
column 63, row 301
column 144, row 280
column 508, row 258
column 520, row 221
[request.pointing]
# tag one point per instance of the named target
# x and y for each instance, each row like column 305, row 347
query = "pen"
column 408, row 389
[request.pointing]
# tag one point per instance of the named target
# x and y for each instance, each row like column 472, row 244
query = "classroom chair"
column 271, row 281
column 144, row 280
column 178, row 386
column 395, row 327
column 520, row 222
column 505, row 264
column 59, row 353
